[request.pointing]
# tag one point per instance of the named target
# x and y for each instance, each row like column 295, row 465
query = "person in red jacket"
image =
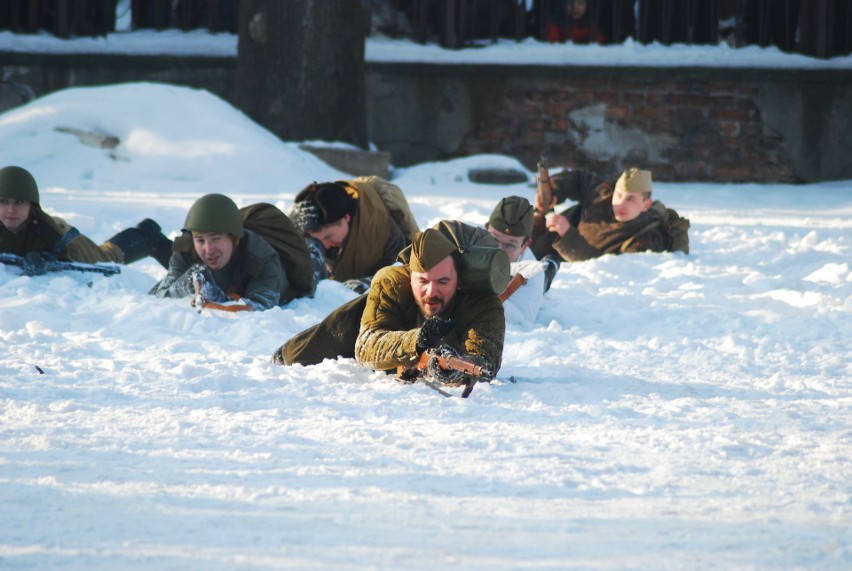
column 571, row 22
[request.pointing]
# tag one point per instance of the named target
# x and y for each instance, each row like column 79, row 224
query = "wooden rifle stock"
column 517, row 281
column 544, row 188
column 449, row 362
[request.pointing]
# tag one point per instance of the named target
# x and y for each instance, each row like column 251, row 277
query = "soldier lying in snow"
column 222, row 265
column 27, row 231
column 362, row 225
column 611, row 217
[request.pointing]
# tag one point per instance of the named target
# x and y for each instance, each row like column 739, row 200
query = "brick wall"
column 685, row 124
column 680, row 130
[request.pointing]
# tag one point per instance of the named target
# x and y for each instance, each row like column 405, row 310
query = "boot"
column 161, row 247
column 551, row 265
column 132, row 244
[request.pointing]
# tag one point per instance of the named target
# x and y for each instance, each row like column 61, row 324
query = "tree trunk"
column 300, row 68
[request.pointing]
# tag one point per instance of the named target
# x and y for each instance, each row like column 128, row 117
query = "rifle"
column 544, row 188
column 418, row 370
column 199, row 303
column 517, row 281
column 38, row 269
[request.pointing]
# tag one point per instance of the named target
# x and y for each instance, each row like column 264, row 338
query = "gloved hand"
column 358, row 285
column 208, row 289
column 278, row 357
column 33, row 264
column 432, row 332
column 443, row 375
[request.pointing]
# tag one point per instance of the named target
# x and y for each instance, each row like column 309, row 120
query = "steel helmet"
column 214, row 213
column 18, row 184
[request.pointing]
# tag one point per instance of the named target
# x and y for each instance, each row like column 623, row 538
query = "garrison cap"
column 634, row 180
column 428, row 248
column 513, row 216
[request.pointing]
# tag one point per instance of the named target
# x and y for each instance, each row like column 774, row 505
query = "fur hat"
column 634, row 180
column 428, row 248
column 320, row 204
column 513, row 216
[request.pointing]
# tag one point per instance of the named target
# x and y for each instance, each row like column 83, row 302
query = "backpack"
column 395, row 201
column 673, row 227
column 675, row 230
column 279, row 231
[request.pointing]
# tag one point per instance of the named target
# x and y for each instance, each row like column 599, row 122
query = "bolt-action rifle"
column 44, row 266
column 419, row 371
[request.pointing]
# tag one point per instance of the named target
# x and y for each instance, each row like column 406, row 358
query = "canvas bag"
column 278, row 230
column 484, row 270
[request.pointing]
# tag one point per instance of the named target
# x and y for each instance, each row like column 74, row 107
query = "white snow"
column 670, row 411
column 382, row 49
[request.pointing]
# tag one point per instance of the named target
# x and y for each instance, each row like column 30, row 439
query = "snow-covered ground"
column 670, row 411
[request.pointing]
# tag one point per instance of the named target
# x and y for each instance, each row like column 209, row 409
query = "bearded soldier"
column 429, row 302
column 421, row 305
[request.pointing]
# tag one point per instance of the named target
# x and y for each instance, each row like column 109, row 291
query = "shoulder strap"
column 63, row 242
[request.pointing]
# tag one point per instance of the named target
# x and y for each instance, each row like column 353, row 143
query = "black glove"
column 358, row 285
column 432, row 332
column 33, row 264
column 317, row 258
column 443, row 375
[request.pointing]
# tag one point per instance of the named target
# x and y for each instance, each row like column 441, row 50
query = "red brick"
column 617, row 112
column 731, row 114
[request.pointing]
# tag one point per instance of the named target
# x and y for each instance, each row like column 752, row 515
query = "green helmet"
column 214, row 213
column 17, row 183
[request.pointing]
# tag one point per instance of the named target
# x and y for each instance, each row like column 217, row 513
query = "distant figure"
column 610, row 217
column 27, row 231
column 570, row 21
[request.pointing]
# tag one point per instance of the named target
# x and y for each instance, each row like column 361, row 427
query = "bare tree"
column 300, row 68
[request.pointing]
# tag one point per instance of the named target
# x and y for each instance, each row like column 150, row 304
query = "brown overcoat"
column 391, row 321
column 375, row 237
column 594, row 230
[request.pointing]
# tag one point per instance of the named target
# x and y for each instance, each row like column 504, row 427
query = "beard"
column 431, row 310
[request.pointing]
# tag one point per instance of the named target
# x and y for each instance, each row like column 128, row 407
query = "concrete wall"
column 685, row 124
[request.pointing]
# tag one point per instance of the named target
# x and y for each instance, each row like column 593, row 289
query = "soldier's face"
column 628, row 205
column 514, row 246
column 214, row 249
column 13, row 213
column 332, row 235
column 434, row 289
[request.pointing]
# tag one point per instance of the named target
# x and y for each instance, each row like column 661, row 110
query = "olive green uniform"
column 379, row 328
column 254, row 272
column 391, row 320
column 374, row 240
